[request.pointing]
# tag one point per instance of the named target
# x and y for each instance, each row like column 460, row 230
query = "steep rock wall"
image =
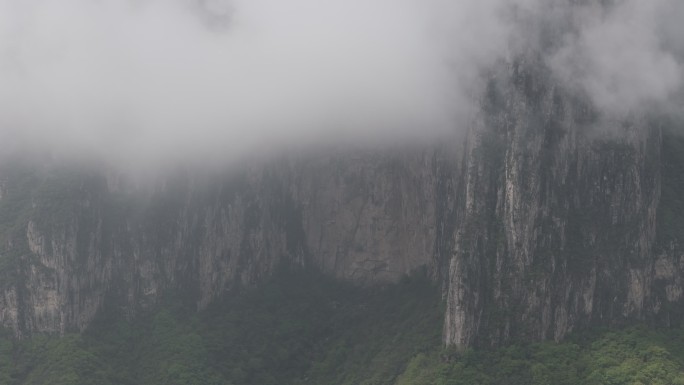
column 558, row 220
column 366, row 217
column 548, row 217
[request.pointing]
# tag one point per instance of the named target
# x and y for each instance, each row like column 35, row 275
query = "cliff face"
column 558, row 217
column 365, row 217
column 536, row 224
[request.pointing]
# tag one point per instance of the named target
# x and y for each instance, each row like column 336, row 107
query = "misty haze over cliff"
column 150, row 82
column 516, row 156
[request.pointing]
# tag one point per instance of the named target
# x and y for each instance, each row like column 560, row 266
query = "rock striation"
column 544, row 217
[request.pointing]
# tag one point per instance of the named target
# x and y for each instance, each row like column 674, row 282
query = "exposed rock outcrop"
column 543, row 220
column 558, row 220
column 366, row 217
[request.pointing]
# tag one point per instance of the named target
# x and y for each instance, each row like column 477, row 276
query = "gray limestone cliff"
column 557, row 224
column 77, row 243
column 544, row 218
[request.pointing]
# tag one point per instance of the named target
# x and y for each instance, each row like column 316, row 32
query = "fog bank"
column 152, row 82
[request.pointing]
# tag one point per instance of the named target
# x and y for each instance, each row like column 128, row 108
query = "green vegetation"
column 301, row 328
column 298, row 328
column 631, row 356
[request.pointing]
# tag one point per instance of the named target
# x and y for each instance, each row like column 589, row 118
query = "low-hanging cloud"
column 623, row 56
column 152, row 81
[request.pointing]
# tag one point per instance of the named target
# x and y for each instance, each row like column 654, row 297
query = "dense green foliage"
column 301, row 328
column 632, row 356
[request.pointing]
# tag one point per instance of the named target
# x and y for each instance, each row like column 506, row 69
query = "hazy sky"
column 153, row 81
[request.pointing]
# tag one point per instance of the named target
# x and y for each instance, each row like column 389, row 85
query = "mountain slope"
column 303, row 328
column 546, row 217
